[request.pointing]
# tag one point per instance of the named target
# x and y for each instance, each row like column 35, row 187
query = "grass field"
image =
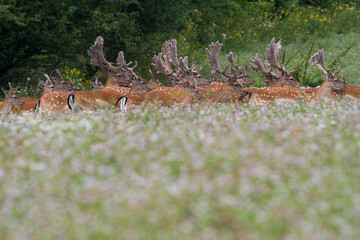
column 201, row 172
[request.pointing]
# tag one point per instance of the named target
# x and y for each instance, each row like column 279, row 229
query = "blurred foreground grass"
column 201, row 172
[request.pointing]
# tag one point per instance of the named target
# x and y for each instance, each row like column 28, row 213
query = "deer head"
column 97, row 84
column 10, row 99
column 60, row 84
column 117, row 76
column 47, row 85
column 280, row 77
column 155, row 81
column 331, row 81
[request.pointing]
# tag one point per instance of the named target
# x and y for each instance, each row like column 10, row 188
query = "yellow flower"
column 306, row 21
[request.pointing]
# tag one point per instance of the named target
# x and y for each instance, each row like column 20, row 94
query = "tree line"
column 39, row 36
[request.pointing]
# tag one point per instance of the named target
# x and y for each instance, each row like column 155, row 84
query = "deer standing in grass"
column 280, row 94
column 10, row 100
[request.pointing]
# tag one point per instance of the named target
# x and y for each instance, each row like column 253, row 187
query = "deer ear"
column 42, row 82
column 5, row 92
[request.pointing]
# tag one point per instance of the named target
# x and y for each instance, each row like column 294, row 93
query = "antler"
column 11, row 89
column 260, row 66
column 122, row 62
column 97, row 55
column 162, row 65
column 318, row 60
column 273, row 54
column 60, row 76
column 170, row 49
column 239, row 69
column 213, row 55
column 48, row 78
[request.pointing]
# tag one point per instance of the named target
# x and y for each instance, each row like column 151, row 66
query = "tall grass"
column 201, row 172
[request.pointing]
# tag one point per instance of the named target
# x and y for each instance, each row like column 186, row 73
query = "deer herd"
column 126, row 90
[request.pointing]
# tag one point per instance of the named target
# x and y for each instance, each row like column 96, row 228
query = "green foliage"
column 39, row 36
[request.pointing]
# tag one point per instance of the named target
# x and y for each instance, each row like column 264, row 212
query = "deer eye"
column 199, row 76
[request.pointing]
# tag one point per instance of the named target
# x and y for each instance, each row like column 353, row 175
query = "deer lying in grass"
column 30, row 103
column 135, row 99
column 164, row 62
column 61, row 85
column 219, row 92
column 48, row 87
column 105, row 97
column 180, row 77
column 117, row 84
column 280, row 77
column 10, row 100
column 273, row 94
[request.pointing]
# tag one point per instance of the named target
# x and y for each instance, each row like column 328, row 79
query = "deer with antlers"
column 163, row 64
column 280, row 77
column 231, row 84
column 117, row 85
column 273, row 94
column 10, row 100
column 48, row 87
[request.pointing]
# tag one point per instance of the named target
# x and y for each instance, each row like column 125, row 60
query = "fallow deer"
column 118, row 76
column 61, row 85
column 219, row 92
column 272, row 94
column 10, row 100
column 169, row 56
column 162, row 63
column 280, row 77
column 30, row 103
column 133, row 100
column 105, row 97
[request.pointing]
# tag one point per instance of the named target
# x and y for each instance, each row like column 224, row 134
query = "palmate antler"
column 97, row 55
column 273, row 56
column 162, row 64
column 213, row 56
column 238, row 71
column 260, row 66
column 122, row 62
column 318, row 60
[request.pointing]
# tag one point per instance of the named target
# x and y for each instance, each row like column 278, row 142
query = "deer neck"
column 187, row 99
column 223, row 94
column 44, row 92
column 5, row 107
column 322, row 91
